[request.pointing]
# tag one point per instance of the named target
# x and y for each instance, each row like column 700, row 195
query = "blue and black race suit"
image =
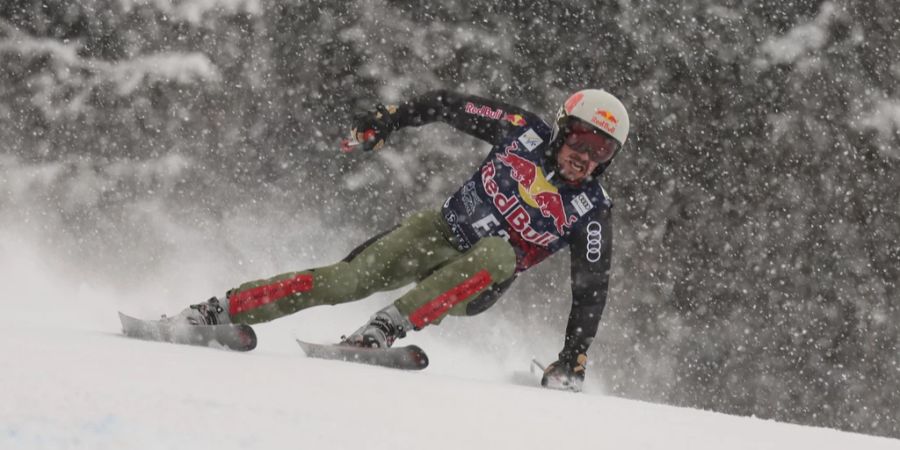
column 518, row 194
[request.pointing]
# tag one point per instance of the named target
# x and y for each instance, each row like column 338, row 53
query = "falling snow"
column 164, row 151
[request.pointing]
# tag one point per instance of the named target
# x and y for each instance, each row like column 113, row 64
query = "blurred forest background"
column 757, row 249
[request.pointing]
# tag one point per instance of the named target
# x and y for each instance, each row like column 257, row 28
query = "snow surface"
column 71, row 381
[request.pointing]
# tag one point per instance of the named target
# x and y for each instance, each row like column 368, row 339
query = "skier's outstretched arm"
column 486, row 119
column 591, row 249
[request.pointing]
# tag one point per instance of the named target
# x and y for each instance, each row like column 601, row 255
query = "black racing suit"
column 517, row 194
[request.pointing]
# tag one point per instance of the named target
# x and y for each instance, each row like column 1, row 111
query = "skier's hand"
column 371, row 129
column 566, row 374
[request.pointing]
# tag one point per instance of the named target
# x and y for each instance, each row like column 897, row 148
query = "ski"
column 410, row 357
column 239, row 337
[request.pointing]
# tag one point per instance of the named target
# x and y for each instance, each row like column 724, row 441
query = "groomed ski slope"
column 70, row 380
column 66, row 386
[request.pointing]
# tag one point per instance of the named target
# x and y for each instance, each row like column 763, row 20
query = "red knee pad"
column 263, row 295
column 436, row 308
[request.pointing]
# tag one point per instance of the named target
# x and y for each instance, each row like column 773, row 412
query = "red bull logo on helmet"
column 607, row 115
column 605, row 120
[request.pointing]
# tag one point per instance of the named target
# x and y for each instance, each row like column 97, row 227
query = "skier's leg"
column 398, row 258
column 446, row 290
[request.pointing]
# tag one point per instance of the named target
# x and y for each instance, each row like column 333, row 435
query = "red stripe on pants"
column 263, row 295
column 436, row 308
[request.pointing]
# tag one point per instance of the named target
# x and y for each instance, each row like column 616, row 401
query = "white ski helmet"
column 598, row 108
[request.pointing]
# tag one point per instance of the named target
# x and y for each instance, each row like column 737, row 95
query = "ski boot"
column 204, row 324
column 385, row 327
column 210, row 312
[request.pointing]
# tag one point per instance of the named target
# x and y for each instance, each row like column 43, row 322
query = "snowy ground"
column 70, row 380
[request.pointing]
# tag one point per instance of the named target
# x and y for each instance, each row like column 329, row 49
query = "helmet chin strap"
column 553, row 148
column 601, row 168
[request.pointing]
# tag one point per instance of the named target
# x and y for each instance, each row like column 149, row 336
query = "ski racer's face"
column 582, row 151
column 574, row 166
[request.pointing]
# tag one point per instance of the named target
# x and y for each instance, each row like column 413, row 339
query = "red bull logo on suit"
column 483, row 111
column 534, row 189
column 516, row 119
column 496, row 114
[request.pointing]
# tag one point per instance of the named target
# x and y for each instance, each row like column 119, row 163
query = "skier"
column 537, row 192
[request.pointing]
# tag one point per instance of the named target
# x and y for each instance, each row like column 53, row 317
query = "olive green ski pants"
column 419, row 251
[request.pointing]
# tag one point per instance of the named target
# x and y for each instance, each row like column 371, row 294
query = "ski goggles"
column 586, row 139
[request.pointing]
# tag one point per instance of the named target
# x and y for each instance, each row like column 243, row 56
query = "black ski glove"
column 372, row 128
column 565, row 374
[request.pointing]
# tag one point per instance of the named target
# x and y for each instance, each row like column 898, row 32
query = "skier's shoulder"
column 525, row 120
column 594, row 208
column 529, row 131
column 542, row 128
column 606, row 202
column 599, row 198
column 516, row 120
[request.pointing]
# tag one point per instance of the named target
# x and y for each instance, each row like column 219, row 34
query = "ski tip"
column 307, row 347
column 125, row 319
column 421, row 358
column 247, row 338
column 122, row 319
